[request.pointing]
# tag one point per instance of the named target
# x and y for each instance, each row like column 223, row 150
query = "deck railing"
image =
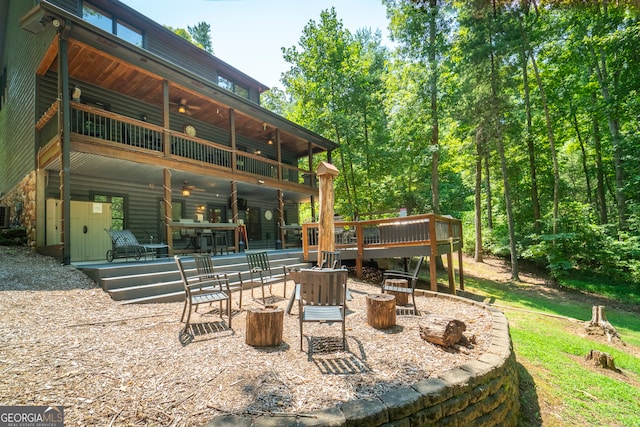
column 415, row 230
column 139, row 135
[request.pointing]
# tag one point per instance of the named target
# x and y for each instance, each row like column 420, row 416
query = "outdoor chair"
column 330, row 260
column 260, row 270
column 205, row 269
column 125, row 245
column 322, row 298
column 205, row 289
column 410, row 277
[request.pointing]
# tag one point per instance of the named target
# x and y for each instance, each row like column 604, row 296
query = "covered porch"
column 168, row 145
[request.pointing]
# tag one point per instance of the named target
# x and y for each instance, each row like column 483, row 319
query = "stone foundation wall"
column 21, row 201
column 481, row 393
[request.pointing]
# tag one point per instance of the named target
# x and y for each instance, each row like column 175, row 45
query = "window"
column 230, row 85
column 110, row 24
column 128, row 33
column 97, row 17
column 242, row 91
column 117, row 209
column 225, row 83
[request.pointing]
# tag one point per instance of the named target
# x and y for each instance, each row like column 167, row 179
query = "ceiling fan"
column 184, row 108
column 188, row 189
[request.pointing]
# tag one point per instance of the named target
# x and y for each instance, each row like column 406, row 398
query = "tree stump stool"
column 381, row 310
column 401, row 297
column 264, row 326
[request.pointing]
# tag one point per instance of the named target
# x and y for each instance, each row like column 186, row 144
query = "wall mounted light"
column 270, row 140
column 186, row 192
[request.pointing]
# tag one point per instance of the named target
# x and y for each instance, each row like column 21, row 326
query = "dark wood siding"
column 142, row 203
column 22, row 52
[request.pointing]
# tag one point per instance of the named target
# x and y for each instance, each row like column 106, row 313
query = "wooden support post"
column 326, row 239
column 433, row 243
column 381, row 310
column 452, row 278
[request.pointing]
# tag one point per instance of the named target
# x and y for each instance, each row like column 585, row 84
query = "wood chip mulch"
column 65, row 342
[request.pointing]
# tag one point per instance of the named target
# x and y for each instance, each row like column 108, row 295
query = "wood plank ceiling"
column 99, row 68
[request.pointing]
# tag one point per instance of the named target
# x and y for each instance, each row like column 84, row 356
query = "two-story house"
column 109, row 120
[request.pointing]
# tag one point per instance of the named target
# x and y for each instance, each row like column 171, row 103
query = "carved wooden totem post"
column 326, row 241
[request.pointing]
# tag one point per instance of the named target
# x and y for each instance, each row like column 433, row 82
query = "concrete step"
column 158, row 280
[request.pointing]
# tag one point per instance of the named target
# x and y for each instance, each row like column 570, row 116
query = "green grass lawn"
column 558, row 388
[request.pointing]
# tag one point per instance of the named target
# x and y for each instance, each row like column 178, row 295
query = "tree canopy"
column 519, row 117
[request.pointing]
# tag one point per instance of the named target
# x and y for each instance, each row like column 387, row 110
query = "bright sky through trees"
column 248, row 34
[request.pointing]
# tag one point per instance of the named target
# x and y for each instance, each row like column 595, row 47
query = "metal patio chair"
column 203, row 289
column 323, row 294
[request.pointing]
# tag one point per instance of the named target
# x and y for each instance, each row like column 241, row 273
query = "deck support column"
column 168, row 208
column 433, row 256
column 65, row 170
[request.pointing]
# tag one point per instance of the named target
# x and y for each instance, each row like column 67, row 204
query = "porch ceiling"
column 205, row 102
column 150, row 176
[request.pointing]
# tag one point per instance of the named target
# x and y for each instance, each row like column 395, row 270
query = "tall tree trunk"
column 606, row 81
column 600, row 190
column 478, row 198
column 433, row 85
column 503, row 161
column 487, row 186
column 535, row 200
column 585, row 168
column 552, row 143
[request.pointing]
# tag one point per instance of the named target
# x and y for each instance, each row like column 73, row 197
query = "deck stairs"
column 158, row 280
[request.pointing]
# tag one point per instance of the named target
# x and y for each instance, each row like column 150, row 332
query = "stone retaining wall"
column 481, row 393
column 21, row 201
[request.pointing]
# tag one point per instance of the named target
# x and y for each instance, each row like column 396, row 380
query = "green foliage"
column 201, row 34
column 13, row 237
column 461, row 86
column 584, row 246
column 182, row 33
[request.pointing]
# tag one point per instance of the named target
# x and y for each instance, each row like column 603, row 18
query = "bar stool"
column 220, row 240
column 205, row 237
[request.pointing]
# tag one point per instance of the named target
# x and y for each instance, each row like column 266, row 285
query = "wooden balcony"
column 112, row 135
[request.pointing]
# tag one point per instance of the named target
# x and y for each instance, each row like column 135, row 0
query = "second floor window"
column 111, row 24
column 232, row 86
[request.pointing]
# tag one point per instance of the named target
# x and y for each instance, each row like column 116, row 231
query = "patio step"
column 157, row 281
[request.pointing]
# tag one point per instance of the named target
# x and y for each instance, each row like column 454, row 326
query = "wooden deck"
column 430, row 235
column 157, row 280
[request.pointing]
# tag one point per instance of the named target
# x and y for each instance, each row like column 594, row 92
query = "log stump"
column 600, row 323
column 402, row 298
column 264, row 326
column 444, row 331
column 381, row 310
column 602, row 359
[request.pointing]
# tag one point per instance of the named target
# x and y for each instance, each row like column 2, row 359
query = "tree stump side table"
column 264, row 326
column 402, row 298
column 381, row 310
